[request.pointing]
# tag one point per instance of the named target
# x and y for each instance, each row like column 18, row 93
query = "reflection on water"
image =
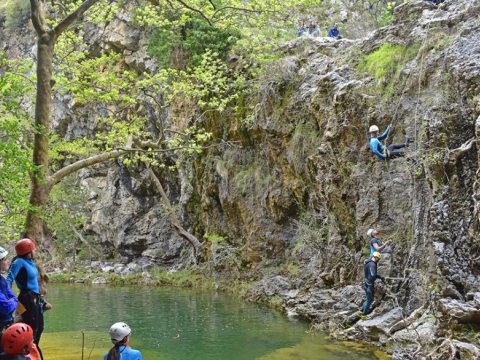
column 178, row 324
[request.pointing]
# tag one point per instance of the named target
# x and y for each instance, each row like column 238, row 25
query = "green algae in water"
column 178, row 324
column 316, row 347
column 68, row 346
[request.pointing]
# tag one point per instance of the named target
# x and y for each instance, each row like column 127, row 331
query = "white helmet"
column 370, row 232
column 3, row 253
column 373, row 128
column 118, row 331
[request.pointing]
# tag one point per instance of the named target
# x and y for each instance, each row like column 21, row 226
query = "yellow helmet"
column 377, row 255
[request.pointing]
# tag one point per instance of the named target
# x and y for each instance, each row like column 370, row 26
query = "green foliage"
column 15, row 154
column 214, row 238
column 15, row 12
column 310, row 233
column 385, row 63
column 193, row 39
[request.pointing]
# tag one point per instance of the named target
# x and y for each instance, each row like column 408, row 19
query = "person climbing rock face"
column 375, row 243
column 382, row 151
column 371, row 275
column 120, row 336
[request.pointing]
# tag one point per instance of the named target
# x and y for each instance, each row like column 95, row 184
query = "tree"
column 210, row 84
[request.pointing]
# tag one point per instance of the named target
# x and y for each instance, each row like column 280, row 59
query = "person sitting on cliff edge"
column 375, row 243
column 382, row 151
column 333, row 32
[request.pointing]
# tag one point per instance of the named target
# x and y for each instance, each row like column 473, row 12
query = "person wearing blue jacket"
column 333, row 32
column 24, row 272
column 382, row 151
column 8, row 300
column 120, row 336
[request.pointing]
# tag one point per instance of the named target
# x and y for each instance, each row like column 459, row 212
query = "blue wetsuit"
column 24, row 272
column 127, row 353
column 8, row 303
column 373, row 241
column 376, row 146
column 30, row 283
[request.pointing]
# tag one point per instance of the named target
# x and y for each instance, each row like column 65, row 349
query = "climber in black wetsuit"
column 370, row 277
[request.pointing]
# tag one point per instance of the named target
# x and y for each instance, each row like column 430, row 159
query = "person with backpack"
column 370, row 269
column 120, row 336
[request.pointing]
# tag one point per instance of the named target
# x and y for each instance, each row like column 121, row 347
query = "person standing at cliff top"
column 382, row 151
column 375, row 243
column 371, row 275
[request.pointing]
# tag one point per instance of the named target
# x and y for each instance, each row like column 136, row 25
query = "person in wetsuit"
column 371, row 275
column 24, row 272
column 120, row 335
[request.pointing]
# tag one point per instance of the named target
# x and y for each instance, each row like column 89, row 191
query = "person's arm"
column 385, row 134
column 7, row 305
column 374, row 145
column 13, row 272
column 379, row 247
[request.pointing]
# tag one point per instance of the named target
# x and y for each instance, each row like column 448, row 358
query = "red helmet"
column 17, row 339
column 24, row 246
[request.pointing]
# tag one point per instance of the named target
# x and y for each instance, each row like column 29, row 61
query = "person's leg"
column 368, row 300
column 396, row 146
column 393, row 152
column 31, row 314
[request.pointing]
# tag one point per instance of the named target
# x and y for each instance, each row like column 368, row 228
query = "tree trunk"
column 43, row 109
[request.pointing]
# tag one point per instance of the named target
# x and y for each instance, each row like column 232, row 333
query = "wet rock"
column 463, row 312
column 382, row 323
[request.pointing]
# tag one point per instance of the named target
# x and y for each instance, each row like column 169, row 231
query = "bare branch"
column 192, row 239
column 195, row 10
column 456, row 154
column 81, row 164
column 213, row 5
column 73, row 17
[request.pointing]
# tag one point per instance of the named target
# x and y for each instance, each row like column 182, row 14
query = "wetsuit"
column 25, row 273
column 371, row 275
column 127, row 353
column 380, row 150
column 374, row 240
column 8, row 304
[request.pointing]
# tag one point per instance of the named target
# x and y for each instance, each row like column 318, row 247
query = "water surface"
column 170, row 323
